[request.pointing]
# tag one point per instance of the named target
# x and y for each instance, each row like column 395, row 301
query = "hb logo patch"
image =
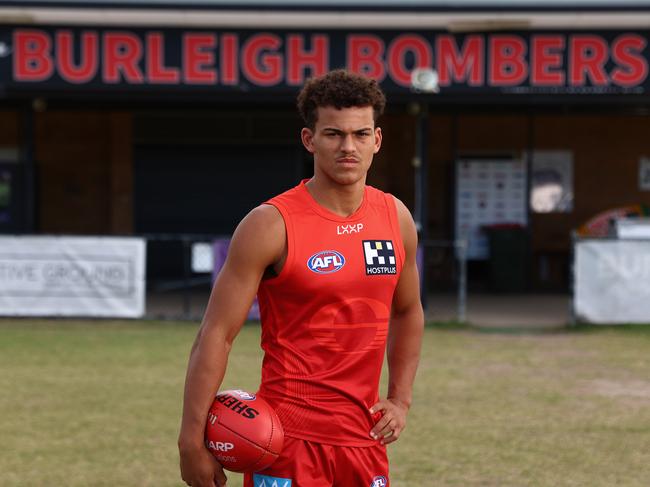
column 380, row 257
column 268, row 481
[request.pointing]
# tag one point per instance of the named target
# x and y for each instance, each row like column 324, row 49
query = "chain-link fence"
column 180, row 271
column 179, row 275
column 443, row 272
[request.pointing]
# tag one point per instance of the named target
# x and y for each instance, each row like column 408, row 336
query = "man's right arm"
column 258, row 242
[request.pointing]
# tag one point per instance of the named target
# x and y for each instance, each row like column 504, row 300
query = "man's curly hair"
column 339, row 89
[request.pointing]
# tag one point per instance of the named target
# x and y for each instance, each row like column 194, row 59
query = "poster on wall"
column 644, row 173
column 488, row 191
column 551, row 181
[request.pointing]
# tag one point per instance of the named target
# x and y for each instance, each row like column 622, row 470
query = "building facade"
column 154, row 117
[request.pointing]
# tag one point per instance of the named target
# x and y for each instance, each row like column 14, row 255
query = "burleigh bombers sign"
column 112, row 60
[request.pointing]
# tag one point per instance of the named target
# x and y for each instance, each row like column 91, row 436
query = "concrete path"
column 505, row 310
column 529, row 311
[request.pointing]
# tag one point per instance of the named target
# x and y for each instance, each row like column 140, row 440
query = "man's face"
column 343, row 143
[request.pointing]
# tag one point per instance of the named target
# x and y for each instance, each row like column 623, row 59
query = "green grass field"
column 97, row 403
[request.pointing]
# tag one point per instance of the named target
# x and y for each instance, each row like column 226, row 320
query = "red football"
column 243, row 432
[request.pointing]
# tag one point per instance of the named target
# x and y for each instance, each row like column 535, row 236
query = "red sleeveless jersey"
column 325, row 317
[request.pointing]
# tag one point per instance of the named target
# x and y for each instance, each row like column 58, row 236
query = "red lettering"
column 198, row 62
column 86, row 70
column 229, row 56
column 458, row 67
column 365, row 54
column 298, row 59
column 632, row 66
column 545, row 57
column 397, row 51
column 260, row 67
column 122, row 53
column 508, row 65
column 157, row 72
column 32, row 55
column 588, row 55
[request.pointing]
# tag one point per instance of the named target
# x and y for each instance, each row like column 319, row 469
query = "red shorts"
column 308, row 464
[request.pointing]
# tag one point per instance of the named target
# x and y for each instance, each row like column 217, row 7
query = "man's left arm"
column 404, row 338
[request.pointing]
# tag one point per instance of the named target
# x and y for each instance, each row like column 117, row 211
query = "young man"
column 333, row 263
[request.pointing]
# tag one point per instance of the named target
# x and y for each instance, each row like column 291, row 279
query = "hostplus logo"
column 380, row 257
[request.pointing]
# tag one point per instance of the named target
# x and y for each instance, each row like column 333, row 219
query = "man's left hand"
column 392, row 422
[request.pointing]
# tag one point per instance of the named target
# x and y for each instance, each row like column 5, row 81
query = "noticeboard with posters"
column 488, row 192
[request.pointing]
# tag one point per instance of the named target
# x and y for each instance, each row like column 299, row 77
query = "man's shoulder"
column 260, row 235
column 265, row 217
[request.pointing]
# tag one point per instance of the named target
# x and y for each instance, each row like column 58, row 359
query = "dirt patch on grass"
column 628, row 388
column 626, row 392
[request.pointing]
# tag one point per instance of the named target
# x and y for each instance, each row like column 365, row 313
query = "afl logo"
column 326, row 262
column 246, row 396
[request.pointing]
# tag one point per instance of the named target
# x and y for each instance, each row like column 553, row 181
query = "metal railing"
column 454, row 280
column 176, row 290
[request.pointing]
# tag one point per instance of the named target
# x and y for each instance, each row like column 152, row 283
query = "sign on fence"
column 72, row 276
column 612, row 281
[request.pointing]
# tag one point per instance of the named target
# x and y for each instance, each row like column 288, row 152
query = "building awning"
column 456, row 15
column 344, row 5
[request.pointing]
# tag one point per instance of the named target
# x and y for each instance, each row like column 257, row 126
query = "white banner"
column 612, row 281
column 72, row 276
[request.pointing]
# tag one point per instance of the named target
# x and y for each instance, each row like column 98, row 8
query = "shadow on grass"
column 641, row 329
column 514, row 330
column 448, row 325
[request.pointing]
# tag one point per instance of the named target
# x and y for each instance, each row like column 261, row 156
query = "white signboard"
column 612, row 281
column 488, row 192
column 202, row 257
column 633, row 228
column 72, row 276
